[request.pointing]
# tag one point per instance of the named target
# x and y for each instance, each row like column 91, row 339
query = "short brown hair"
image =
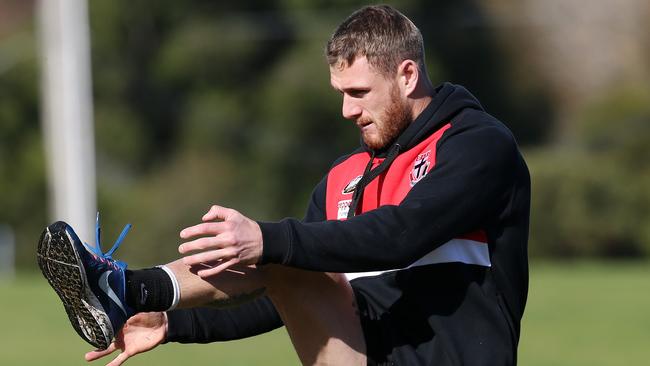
column 382, row 34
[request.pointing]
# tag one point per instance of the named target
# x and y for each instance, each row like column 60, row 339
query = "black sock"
column 149, row 289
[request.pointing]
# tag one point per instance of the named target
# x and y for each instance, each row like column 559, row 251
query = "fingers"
column 237, row 239
column 119, row 359
column 93, row 355
column 218, row 213
column 210, row 242
column 206, row 228
column 210, row 256
column 218, row 269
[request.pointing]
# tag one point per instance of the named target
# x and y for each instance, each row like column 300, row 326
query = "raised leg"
column 317, row 308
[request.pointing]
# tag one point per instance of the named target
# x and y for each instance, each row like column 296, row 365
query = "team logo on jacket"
column 352, row 185
column 420, row 167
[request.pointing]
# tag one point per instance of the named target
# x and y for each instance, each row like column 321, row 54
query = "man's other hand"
column 224, row 238
column 141, row 333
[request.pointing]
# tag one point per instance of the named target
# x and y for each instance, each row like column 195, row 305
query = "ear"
column 408, row 74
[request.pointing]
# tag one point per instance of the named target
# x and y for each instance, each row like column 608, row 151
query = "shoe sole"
column 60, row 264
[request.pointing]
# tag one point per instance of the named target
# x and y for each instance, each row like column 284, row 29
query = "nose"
column 350, row 110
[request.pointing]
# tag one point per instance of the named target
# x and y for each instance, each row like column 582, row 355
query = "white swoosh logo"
column 103, row 284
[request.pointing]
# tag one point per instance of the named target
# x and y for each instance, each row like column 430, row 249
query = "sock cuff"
column 177, row 289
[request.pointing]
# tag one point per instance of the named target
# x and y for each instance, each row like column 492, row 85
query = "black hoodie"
column 476, row 186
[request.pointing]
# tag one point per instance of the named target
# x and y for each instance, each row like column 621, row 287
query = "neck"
column 421, row 97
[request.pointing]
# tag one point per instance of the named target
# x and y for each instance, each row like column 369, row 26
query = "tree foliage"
column 593, row 196
column 203, row 102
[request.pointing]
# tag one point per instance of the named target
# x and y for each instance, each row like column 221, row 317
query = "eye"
column 357, row 93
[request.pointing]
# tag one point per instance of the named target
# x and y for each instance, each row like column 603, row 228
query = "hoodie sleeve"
column 205, row 325
column 471, row 181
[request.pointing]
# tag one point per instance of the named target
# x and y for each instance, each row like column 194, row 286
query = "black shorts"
column 445, row 321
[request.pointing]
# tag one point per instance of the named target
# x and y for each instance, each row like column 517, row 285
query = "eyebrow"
column 351, row 89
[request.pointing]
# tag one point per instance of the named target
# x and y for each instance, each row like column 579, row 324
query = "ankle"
column 151, row 289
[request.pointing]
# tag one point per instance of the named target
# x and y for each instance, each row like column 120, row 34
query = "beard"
column 396, row 118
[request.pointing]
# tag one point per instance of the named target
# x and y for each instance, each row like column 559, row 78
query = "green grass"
column 36, row 331
column 586, row 313
column 578, row 314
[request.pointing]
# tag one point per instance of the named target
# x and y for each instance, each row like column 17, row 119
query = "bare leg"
column 317, row 308
column 320, row 313
column 228, row 288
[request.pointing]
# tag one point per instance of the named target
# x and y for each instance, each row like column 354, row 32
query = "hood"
column 447, row 102
column 449, row 99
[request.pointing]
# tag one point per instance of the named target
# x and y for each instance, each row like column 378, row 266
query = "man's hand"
column 232, row 239
column 141, row 333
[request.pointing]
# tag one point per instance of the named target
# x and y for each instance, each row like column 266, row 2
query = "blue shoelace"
column 97, row 249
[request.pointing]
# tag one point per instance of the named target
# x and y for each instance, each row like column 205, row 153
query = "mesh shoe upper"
column 90, row 283
column 105, row 277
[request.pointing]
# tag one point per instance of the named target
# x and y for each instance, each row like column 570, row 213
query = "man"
column 429, row 218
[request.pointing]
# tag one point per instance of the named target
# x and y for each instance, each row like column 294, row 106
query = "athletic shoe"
column 90, row 283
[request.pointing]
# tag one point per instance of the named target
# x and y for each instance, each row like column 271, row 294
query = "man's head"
column 381, row 34
column 376, row 59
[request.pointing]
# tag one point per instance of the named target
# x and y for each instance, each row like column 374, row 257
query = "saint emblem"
column 420, row 167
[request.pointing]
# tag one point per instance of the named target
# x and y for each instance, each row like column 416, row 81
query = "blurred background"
column 201, row 102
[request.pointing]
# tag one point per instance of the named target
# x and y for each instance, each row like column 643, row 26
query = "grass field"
column 578, row 314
